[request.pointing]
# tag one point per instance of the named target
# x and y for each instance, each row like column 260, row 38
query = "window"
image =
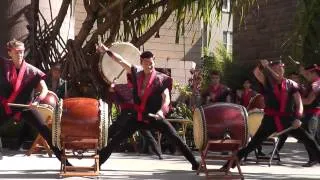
column 226, row 6
column 227, row 40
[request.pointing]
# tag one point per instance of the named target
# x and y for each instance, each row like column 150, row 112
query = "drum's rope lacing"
column 56, row 125
column 103, row 124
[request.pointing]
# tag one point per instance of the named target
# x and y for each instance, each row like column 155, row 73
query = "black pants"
column 33, row 117
column 268, row 127
column 119, row 125
column 312, row 126
column 133, row 125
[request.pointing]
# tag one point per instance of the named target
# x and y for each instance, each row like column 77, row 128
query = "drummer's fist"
column 264, row 62
column 101, row 48
column 296, row 123
column 160, row 115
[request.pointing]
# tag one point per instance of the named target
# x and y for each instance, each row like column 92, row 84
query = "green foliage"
column 114, row 112
column 181, row 111
column 306, row 36
column 215, row 61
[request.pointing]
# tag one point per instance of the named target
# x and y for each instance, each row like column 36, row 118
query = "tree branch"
column 147, row 10
column 154, row 28
column 60, row 18
column 88, row 22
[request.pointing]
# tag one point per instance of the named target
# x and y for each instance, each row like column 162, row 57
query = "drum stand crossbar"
column 88, row 151
column 213, row 145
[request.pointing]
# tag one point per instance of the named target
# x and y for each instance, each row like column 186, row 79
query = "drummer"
column 17, row 81
column 55, row 82
column 151, row 93
column 216, row 92
column 283, row 109
column 121, row 95
column 243, row 96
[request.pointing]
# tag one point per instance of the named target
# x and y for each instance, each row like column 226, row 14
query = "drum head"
column 46, row 112
column 199, row 129
column 254, row 121
column 110, row 70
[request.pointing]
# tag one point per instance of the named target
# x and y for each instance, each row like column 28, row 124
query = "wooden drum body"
column 78, row 119
column 212, row 122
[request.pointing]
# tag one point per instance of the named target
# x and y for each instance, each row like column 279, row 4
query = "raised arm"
column 259, row 75
column 115, row 56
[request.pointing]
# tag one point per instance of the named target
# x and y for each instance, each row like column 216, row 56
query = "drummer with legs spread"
column 283, row 109
column 151, row 92
column 121, row 95
column 17, row 81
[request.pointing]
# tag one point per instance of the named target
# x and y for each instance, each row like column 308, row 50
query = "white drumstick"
column 153, row 115
column 18, row 105
column 283, row 131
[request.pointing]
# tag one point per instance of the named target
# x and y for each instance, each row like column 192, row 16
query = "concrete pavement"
column 15, row 165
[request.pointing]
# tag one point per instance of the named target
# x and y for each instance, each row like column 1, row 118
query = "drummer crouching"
column 17, row 81
column 283, row 109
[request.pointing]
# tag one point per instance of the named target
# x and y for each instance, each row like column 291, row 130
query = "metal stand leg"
column 275, row 149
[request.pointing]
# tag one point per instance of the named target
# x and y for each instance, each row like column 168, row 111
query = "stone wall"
column 264, row 31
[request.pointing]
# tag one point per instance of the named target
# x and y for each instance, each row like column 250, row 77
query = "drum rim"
column 101, row 58
column 204, row 134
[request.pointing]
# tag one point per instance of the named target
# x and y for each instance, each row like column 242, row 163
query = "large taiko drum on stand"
column 212, row 122
column 257, row 102
column 111, row 71
column 80, row 118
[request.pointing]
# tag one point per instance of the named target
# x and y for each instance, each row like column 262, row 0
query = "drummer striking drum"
column 283, row 109
column 17, row 81
column 151, row 90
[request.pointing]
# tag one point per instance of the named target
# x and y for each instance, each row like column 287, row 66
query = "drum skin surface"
column 255, row 117
column 257, row 102
column 211, row 122
column 110, row 70
column 80, row 118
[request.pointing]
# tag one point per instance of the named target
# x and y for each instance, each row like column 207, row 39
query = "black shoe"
column 160, row 157
column 195, row 166
column 310, row 164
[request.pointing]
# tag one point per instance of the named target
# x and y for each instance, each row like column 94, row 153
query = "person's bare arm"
column 274, row 75
column 165, row 104
column 309, row 99
column 42, row 89
column 259, row 75
column 115, row 56
column 299, row 109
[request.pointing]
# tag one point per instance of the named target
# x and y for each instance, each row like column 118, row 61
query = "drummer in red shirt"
column 243, row 96
column 216, row 92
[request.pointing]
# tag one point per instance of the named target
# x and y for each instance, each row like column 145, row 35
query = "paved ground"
column 15, row 165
